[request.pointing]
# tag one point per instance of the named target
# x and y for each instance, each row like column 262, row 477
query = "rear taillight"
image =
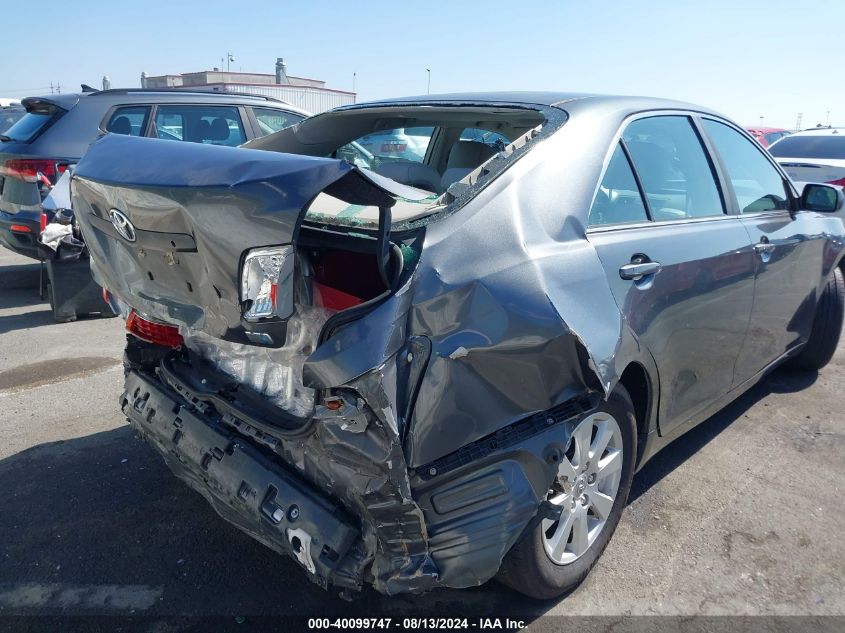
column 20, row 228
column 266, row 283
column 152, row 332
column 43, row 170
column 42, row 221
column 840, row 182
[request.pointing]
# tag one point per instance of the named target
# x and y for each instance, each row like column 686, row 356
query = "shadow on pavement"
column 99, row 525
column 680, row 450
column 41, row 314
column 20, row 276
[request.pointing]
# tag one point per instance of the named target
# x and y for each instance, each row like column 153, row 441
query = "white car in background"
column 813, row 155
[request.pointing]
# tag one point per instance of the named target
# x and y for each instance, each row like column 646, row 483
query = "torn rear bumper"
column 339, row 497
column 245, row 487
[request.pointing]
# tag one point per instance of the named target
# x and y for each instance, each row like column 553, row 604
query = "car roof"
column 822, row 131
column 765, row 130
column 537, row 98
column 141, row 95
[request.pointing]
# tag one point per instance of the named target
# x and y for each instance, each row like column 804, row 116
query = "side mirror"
column 822, row 198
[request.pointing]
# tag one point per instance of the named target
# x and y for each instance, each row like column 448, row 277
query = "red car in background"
column 767, row 135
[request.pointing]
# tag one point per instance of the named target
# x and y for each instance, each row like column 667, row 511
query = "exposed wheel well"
column 636, row 382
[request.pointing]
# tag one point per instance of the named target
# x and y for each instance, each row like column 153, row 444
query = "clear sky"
column 745, row 58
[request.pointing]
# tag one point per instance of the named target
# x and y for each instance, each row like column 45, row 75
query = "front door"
column 788, row 255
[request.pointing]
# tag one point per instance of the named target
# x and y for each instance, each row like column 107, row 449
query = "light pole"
column 354, row 76
column 428, row 84
column 229, row 58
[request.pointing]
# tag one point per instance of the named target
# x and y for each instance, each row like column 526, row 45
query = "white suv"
column 813, row 155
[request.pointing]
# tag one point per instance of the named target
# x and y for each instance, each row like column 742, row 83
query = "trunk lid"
column 193, row 211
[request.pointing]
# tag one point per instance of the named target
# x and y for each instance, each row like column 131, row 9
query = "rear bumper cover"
column 244, row 486
column 339, row 497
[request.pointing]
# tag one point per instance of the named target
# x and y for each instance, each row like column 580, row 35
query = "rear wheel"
column 590, row 491
column 827, row 326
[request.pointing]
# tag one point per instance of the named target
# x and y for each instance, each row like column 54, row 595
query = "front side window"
column 131, row 120
column 756, row 182
column 618, row 199
column 271, row 120
column 399, row 144
column 493, row 139
column 214, row 125
column 674, row 170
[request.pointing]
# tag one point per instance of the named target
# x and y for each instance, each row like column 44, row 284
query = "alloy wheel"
column 585, row 488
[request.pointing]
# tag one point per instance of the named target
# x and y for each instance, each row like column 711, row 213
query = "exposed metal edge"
column 509, row 436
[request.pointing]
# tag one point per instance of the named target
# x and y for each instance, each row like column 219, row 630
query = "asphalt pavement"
column 742, row 516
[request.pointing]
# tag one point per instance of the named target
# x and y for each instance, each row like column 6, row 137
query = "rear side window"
column 674, row 170
column 771, row 137
column 214, row 125
column 618, row 199
column 131, row 120
column 757, row 183
column 832, row 146
column 271, row 120
column 38, row 117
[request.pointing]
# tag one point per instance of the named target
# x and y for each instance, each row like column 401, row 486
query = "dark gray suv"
column 57, row 129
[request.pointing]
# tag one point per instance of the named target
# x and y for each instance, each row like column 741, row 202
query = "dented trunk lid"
column 168, row 223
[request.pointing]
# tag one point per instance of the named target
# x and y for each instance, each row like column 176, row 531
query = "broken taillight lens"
column 152, row 332
column 266, row 283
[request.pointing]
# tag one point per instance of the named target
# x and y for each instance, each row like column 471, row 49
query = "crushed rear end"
column 253, row 412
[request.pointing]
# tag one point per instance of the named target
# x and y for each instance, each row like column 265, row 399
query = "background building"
column 308, row 94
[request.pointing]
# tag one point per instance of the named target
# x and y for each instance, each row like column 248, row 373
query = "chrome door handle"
column 764, row 247
column 635, row 272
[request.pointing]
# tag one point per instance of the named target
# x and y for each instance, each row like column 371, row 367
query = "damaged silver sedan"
column 425, row 368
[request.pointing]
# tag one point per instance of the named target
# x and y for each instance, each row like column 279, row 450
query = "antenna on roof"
column 87, row 88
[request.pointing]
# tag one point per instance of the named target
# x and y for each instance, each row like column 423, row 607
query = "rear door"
column 208, row 124
column 789, row 250
column 680, row 267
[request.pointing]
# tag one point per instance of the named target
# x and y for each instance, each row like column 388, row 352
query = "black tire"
column 527, row 568
column 827, row 326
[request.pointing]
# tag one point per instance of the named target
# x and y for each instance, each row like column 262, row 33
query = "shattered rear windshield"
column 327, row 209
column 455, row 183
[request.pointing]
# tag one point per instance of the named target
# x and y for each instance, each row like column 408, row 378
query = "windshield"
column 810, row 146
column 399, row 145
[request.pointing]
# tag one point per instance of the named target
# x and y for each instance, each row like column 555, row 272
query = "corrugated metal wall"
column 312, row 99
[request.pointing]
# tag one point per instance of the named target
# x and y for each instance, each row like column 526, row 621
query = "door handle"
column 636, row 271
column 764, row 247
